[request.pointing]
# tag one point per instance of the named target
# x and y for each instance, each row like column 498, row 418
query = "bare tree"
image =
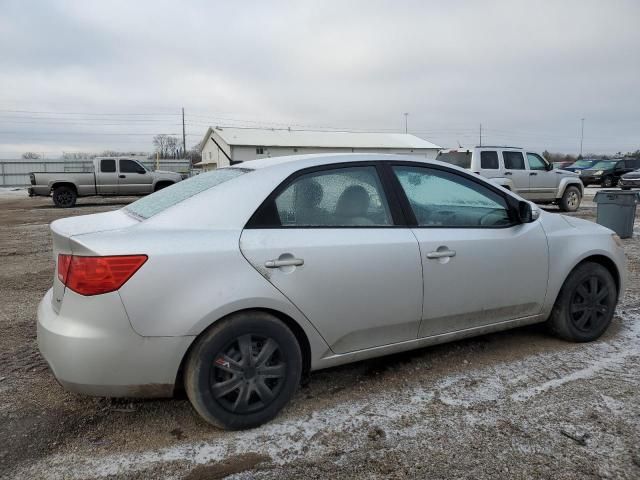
column 31, row 156
column 160, row 144
column 172, row 146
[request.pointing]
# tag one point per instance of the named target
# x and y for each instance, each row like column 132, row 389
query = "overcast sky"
column 528, row 71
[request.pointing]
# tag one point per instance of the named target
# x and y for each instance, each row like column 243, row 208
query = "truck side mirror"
column 549, row 167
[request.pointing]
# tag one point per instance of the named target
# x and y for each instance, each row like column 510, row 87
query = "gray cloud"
column 527, row 70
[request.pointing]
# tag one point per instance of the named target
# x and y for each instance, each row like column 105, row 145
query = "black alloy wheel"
column 248, row 374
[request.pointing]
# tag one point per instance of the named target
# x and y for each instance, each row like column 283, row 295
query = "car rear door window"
column 343, row 197
column 445, row 199
column 108, row 165
column 489, row 160
column 513, row 160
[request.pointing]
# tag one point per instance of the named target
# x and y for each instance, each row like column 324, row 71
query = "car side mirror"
column 142, row 171
column 549, row 167
column 526, row 213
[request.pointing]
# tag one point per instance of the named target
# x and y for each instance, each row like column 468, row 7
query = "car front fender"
column 567, row 182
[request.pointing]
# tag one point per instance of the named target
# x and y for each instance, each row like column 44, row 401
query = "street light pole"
column 406, row 116
column 581, row 134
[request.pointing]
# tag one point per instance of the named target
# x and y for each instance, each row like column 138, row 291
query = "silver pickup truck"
column 110, row 176
column 524, row 172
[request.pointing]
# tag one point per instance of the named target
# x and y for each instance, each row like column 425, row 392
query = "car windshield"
column 604, row 165
column 159, row 201
column 584, row 163
column 460, row 159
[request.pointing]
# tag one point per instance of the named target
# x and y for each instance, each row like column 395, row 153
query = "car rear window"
column 460, row 159
column 159, row 201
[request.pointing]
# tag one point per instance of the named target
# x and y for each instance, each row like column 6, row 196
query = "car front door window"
column 444, row 199
column 536, row 163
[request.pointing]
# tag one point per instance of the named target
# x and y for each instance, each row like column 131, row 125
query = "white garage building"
column 223, row 146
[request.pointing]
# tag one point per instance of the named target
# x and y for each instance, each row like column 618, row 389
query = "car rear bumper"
column 92, row 349
column 43, row 191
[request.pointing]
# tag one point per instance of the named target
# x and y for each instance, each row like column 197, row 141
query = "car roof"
column 242, row 195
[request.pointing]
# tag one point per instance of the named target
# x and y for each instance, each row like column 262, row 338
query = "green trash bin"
column 617, row 210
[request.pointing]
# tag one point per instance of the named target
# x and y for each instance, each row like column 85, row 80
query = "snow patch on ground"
column 401, row 414
column 11, row 192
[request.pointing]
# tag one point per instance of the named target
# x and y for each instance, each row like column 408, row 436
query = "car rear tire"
column 64, row 197
column 243, row 371
column 586, row 304
column 570, row 201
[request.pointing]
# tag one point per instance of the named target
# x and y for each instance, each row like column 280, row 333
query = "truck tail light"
column 97, row 275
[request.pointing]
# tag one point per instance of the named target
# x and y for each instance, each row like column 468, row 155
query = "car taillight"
column 97, row 275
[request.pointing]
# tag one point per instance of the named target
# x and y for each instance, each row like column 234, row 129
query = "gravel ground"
column 516, row 404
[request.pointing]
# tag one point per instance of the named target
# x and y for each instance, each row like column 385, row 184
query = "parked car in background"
column 580, row 165
column 526, row 173
column 110, row 176
column 239, row 281
column 607, row 173
column 562, row 165
column 630, row 180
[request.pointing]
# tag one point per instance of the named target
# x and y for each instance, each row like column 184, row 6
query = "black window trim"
column 512, row 208
column 399, row 207
column 397, row 215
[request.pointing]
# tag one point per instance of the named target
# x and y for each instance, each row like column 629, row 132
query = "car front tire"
column 570, row 201
column 243, row 370
column 607, row 182
column 586, row 304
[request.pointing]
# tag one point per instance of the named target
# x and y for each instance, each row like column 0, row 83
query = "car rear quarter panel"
column 191, row 280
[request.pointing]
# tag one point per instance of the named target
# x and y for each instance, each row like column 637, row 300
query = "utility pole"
column 481, row 134
column 581, row 134
column 406, row 117
column 184, row 137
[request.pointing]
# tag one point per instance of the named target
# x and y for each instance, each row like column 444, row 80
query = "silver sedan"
column 237, row 283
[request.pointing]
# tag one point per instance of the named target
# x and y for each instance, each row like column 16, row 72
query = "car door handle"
column 508, row 173
column 533, row 173
column 441, row 254
column 288, row 262
column 122, row 176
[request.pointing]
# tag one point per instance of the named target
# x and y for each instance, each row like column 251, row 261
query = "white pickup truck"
column 526, row 173
column 110, row 176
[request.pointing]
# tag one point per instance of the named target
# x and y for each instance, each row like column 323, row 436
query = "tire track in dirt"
column 469, row 397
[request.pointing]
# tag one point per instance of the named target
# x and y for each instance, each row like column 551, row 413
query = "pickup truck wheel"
column 570, row 201
column 64, row 197
column 243, row 371
column 607, row 182
column 586, row 303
